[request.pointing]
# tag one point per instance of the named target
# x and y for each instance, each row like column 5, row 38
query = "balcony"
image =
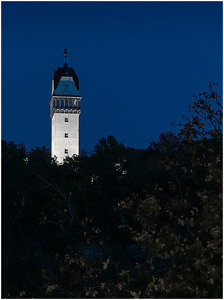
column 67, row 110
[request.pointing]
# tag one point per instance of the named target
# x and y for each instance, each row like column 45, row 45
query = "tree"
column 206, row 118
column 182, row 226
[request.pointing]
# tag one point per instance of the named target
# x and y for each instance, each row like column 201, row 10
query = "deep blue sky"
column 138, row 65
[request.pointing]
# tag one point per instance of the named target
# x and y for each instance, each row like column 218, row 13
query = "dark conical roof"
column 65, row 71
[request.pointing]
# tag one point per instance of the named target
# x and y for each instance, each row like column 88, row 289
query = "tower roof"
column 65, row 71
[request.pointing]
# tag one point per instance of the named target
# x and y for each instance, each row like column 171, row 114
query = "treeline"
column 122, row 223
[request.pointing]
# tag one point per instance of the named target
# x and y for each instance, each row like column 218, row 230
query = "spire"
column 65, row 51
column 65, row 64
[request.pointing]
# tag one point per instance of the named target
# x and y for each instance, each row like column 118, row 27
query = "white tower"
column 64, row 112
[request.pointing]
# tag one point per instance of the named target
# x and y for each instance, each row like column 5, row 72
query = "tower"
column 65, row 111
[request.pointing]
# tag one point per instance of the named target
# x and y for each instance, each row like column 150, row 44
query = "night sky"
column 138, row 65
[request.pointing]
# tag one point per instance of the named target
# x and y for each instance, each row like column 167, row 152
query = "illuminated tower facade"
column 64, row 112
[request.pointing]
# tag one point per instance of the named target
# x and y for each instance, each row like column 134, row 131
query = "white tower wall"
column 64, row 135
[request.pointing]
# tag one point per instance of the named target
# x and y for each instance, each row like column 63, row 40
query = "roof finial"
column 66, row 51
column 65, row 64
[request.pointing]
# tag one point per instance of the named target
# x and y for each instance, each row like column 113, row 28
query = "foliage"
column 122, row 223
column 206, row 118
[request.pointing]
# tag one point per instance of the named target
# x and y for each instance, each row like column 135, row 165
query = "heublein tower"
column 64, row 112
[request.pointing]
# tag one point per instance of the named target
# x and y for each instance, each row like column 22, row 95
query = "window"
column 66, row 119
column 66, row 135
column 66, row 151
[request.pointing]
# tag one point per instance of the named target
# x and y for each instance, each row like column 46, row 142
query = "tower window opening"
column 66, row 151
column 66, row 103
column 66, row 119
column 66, row 135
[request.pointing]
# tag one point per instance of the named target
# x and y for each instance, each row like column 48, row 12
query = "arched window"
column 58, row 102
column 66, row 103
column 62, row 103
